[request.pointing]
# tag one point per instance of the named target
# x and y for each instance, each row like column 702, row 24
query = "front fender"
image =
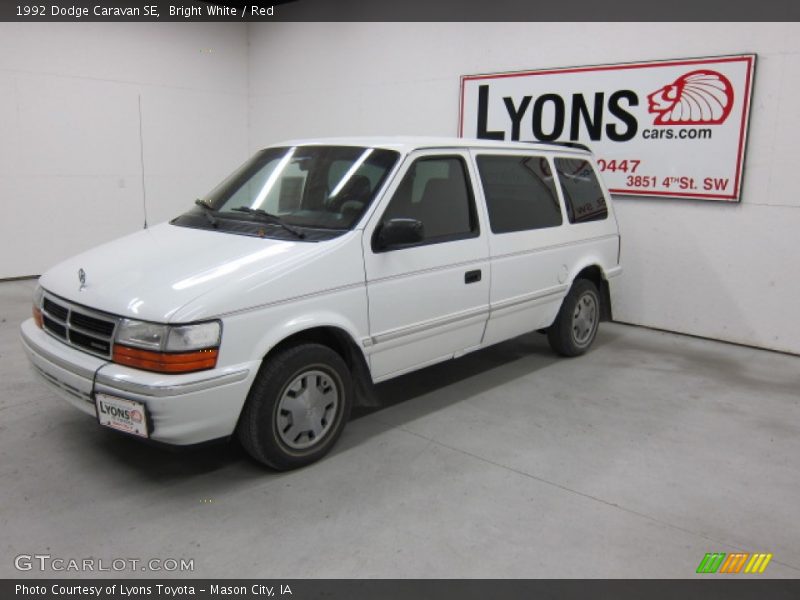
column 251, row 335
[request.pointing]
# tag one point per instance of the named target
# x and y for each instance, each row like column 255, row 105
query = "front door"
column 428, row 300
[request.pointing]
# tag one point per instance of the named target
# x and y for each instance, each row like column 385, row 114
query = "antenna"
column 141, row 160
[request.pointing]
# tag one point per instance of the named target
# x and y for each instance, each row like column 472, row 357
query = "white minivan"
column 316, row 269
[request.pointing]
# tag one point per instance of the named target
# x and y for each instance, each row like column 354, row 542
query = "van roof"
column 407, row 144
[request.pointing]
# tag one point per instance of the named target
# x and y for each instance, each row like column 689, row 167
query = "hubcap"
column 307, row 409
column 584, row 319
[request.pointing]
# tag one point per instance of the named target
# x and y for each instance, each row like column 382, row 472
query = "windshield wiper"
column 208, row 211
column 270, row 218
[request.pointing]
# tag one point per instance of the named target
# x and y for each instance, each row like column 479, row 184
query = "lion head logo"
column 698, row 97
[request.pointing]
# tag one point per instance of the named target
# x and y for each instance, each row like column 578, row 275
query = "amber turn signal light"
column 164, row 362
column 37, row 317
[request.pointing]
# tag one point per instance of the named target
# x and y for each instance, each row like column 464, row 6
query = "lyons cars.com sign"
column 672, row 128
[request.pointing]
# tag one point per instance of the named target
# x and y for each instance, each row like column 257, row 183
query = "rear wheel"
column 575, row 327
column 297, row 407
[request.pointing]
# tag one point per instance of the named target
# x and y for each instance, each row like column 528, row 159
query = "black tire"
column 572, row 334
column 267, row 426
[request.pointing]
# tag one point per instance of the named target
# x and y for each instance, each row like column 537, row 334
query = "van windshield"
column 302, row 187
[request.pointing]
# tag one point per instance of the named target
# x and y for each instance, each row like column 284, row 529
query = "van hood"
column 150, row 275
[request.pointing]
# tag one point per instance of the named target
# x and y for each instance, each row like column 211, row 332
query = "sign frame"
column 743, row 125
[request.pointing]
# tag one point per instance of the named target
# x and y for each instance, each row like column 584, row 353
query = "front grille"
column 92, row 324
column 79, row 327
column 59, row 312
column 92, row 344
column 56, row 327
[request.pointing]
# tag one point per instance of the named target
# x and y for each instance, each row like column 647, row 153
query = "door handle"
column 472, row 276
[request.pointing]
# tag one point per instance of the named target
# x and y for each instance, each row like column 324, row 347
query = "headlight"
column 193, row 337
column 139, row 334
column 167, row 348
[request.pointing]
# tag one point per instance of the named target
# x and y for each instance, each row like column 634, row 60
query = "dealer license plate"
column 122, row 414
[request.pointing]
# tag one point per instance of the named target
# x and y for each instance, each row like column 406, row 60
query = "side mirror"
column 398, row 232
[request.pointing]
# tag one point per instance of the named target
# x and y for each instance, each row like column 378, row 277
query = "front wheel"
column 297, row 407
column 575, row 327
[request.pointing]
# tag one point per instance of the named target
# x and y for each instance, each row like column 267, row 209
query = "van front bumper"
column 184, row 409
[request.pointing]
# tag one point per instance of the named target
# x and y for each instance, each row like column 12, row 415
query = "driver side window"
column 436, row 192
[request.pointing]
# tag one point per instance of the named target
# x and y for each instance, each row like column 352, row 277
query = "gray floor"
column 633, row 461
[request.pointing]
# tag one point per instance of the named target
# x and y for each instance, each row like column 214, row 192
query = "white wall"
column 70, row 152
column 71, row 172
column 722, row 271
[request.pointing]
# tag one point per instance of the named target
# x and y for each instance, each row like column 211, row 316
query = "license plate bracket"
column 122, row 414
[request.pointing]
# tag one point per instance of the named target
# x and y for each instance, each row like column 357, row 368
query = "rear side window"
column 583, row 196
column 520, row 193
column 436, row 191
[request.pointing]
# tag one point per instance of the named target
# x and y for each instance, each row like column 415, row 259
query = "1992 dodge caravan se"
column 318, row 268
